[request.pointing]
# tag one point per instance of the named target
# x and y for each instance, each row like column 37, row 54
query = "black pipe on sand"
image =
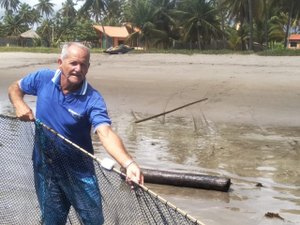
column 184, row 179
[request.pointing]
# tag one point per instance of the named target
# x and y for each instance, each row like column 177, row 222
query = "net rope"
column 120, row 204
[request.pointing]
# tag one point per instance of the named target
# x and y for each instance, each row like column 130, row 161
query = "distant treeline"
column 158, row 24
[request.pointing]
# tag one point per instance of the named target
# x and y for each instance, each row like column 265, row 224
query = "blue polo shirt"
column 72, row 115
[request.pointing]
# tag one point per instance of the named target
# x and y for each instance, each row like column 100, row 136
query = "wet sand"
column 248, row 130
column 244, row 89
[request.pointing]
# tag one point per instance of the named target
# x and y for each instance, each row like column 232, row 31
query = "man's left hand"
column 134, row 174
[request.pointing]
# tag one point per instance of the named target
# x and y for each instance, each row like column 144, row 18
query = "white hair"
column 66, row 46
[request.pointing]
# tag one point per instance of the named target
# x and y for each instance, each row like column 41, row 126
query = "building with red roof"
column 111, row 36
column 294, row 41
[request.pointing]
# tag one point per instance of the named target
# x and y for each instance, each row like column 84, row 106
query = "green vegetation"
column 280, row 52
column 159, row 25
column 29, row 49
column 40, row 49
column 270, row 52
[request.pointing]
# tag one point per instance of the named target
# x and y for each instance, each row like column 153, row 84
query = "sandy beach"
column 240, row 88
column 253, row 103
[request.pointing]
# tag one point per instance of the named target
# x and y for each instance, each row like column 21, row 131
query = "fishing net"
column 18, row 200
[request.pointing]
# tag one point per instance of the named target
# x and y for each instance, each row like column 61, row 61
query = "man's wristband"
column 128, row 163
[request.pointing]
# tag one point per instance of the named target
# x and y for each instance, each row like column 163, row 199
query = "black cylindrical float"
column 183, row 179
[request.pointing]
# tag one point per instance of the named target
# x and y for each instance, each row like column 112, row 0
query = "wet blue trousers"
column 57, row 193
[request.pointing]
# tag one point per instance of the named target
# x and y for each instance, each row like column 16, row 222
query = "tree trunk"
column 266, row 28
column 223, row 30
column 250, row 24
column 199, row 39
column 104, row 40
column 289, row 24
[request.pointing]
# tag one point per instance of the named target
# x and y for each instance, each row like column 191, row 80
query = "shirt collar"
column 81, row 91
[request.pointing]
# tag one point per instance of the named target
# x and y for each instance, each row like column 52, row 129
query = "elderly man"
column 67, row 103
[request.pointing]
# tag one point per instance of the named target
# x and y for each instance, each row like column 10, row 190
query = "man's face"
column 75, row 66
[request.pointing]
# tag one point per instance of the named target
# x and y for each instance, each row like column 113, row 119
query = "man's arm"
column 115, row 147
column 16, row 96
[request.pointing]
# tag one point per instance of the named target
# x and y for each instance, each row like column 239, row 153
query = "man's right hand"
column 25, row 114
column 16, row 96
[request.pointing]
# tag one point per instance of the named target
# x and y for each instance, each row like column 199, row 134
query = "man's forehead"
column 76, row 49
column 77, row 55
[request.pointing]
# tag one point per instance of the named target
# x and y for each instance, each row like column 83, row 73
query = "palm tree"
column 9, row 4
column 200, row 23
column 113, row 15
column 45, row 7
column 141, row 14
column 245, row 13
column 28, row 15
column 292, row 7
column 277, row 24
column 267, row 9
column 250, row 8
column 68, row 9
column 96, row 7
column 237, row 14
column 165, row 21
column 284, row 14
column 84, row 31
column 13, row 25
column 222, row 14
column 45, row 32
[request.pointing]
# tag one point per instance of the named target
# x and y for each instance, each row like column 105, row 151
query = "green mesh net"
column 18, row 200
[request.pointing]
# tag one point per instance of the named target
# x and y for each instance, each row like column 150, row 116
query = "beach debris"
column 134, row 115
column 273, row 215
column 259, row 185
column 172, row 110
column 120, row 49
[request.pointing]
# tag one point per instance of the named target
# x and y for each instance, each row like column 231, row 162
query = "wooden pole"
column 172, row 110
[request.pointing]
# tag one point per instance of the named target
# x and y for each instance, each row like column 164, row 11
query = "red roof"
column 111, row 31
column 294, row 37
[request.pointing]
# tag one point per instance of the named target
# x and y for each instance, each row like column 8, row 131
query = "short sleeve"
column 98, row 113
column 31, row 83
